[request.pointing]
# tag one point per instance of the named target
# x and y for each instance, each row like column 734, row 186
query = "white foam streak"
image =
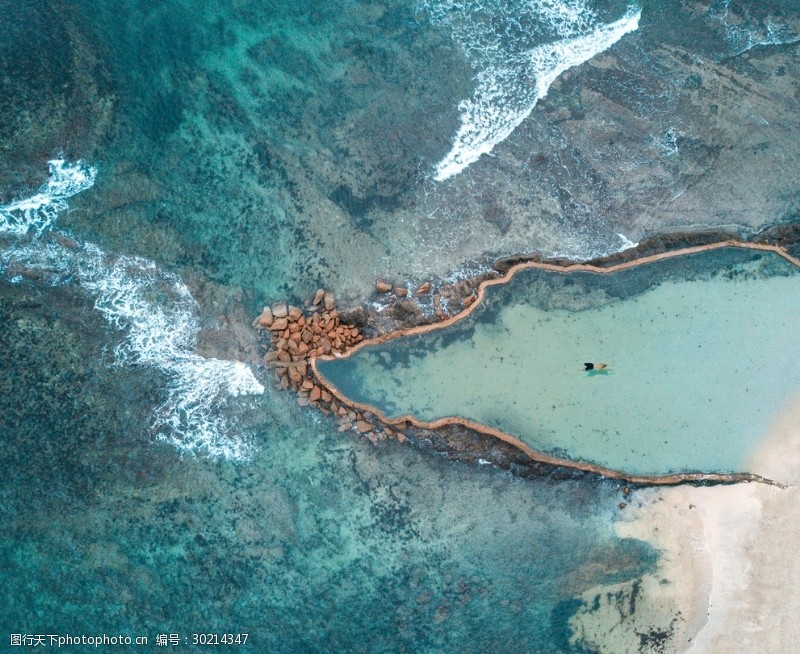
column 38, row 212
column 744, row 33
column 151, row 307
column 507, row 89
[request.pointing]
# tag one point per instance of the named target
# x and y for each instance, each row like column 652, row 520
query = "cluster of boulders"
column 383, row 286
column 294, row 337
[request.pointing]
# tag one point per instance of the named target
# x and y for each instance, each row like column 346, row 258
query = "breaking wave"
column 518, row 49
column 152, row 307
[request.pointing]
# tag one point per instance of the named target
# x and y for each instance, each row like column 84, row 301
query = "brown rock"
column 315, row 394
column 306, row 335
column 325, row 344
column 302, row 348
column 284, row 382
column 468, row 300
column 265, row 319
column 318, row 297
column 270, row 356
column 280, row 310
column 382, row 286
column 295, row 328
column 363, row 426
column 325, row 395
column 294, row 375
column 329, row 301
column 291, row 346
column 279, row 324
column 401, row 437
column 399, row 291
column 308, row 384
column 423, row 289
column 302, row 399
column 294, row 313
column 437, row 302
column 345, row 426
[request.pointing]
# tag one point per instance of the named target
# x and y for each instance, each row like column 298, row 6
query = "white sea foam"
column 627, row 243
column 38, row 212
column 744, row 33
column 513, row 73
column 153, row 309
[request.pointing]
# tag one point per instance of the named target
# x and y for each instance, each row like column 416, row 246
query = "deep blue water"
column 217, row 156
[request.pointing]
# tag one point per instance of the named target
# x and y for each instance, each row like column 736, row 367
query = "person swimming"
column 595, row 366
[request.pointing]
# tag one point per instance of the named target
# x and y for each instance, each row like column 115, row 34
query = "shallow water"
column 320, row 543
column 700, row 353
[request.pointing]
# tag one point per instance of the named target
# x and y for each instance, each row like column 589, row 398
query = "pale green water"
column 703, row 354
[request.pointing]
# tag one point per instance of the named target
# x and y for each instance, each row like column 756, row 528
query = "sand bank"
column 726, row 578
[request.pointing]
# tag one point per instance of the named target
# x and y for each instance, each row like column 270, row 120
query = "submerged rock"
column 423, row 289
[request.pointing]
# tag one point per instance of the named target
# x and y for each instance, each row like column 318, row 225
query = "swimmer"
column 595, row 366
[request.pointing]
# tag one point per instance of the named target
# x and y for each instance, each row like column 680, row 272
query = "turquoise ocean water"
column 206, row 158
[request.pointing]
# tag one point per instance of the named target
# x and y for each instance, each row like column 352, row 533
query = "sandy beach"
column 726, row 578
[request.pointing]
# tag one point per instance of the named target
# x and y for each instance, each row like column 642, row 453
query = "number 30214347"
column 219, row 639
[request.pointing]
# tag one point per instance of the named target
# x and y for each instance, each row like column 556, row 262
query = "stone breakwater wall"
column 293, row 336
column 325, row 332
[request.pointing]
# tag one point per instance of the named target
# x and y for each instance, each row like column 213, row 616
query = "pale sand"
column 728, row 578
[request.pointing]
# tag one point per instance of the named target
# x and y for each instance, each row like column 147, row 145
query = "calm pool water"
column 702, row 356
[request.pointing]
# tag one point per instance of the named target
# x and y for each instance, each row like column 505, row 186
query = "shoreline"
column 604, row 266
column 725, row 579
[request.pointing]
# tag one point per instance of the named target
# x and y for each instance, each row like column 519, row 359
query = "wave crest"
column 152, row 307
column 514, row 73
